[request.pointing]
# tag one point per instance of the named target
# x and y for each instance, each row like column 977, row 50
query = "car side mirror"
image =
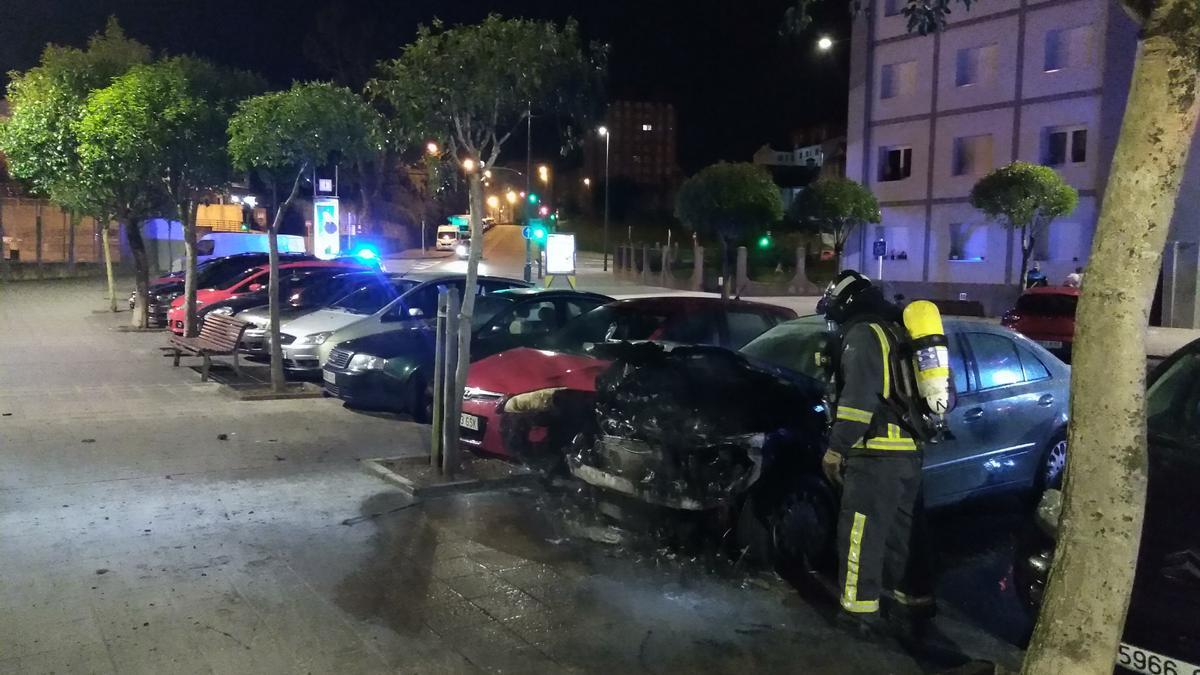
column 254, row 288
column 416, row 312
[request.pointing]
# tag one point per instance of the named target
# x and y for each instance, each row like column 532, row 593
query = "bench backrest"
column 223, row 332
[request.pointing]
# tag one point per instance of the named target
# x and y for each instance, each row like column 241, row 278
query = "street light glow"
column 493, row 201
column 511, row 197
column 603, row 131
column 587, row 182
column 432, row 148
column 825, row 43
column 487, row 174
column 468, row 165
column 544, row 173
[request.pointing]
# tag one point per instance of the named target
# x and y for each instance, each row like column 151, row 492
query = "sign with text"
column 560, row 254
column 327, row 241
column 879, row 249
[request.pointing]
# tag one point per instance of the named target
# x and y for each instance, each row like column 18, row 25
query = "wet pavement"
column 149, row 523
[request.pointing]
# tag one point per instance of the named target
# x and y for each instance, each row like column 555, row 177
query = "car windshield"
column 1046, row 304
column 612, row 323
column 487, row 307
column 797, row 345
column 324, row 290
column 247, row 274
column 1173, row 402
column 374, row 296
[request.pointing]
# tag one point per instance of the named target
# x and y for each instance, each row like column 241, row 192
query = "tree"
column 1024, row 197
column 286, row 135
column 1083, row 614
column 834, row 206
column 46, row 103
column 727, row 202
column 475, row 85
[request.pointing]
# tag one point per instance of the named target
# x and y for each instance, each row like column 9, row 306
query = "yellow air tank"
column 931, row 355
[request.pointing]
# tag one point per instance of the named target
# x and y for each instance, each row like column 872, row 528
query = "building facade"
column 1042, row 81
column 642, row 148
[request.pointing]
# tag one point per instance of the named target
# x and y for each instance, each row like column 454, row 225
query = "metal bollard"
column 453, row 398
column 439, row 385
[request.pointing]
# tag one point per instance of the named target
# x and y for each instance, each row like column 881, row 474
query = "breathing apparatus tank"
column 930, row 355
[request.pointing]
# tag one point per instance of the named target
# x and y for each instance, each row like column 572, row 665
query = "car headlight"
column 362, row 362
column 315, row 338
column 460, row 249
column 532, row 401
column 223, row 311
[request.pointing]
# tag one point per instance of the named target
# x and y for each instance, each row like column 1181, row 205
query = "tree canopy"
column 1023, row 195
column 836, row 206
column 726, row 201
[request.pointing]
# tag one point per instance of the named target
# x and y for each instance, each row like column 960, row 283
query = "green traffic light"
column 533, row 199
column 539, row 233
column 764, row 241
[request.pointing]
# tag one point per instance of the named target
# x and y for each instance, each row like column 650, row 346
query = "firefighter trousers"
column 882, row 547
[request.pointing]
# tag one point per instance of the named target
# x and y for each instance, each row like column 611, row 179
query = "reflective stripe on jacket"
column 863, row 425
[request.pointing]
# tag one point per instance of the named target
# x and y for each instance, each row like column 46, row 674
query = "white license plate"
column 472, row 422
column 1149, row 663
column 1050, row 344
column 331, row 378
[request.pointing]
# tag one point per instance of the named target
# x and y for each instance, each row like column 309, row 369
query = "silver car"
column 1008, row 426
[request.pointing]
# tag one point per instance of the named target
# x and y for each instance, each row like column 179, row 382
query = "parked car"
column 250, row 281
column 1162, row 633
column 393, row 370
column 164, row 290
column 418, row 302
column 1047, row 316
column 220, row 244
column 524, row 379
column 291, row 287
column 302, row 301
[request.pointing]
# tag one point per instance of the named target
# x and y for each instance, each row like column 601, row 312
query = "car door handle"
column 973, row 414
column 1046, row 400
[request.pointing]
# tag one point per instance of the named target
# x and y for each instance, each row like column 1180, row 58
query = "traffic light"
column 539, row 234
column 533, row 198
column 765, row 241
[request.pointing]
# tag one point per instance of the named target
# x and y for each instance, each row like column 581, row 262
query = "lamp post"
column 607, row 145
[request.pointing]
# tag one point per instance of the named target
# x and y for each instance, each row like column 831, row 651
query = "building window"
column 647, row 127
column 974, row 65
column 895, row 163
column 1067, row 48
column 968, row 242
column 1064, row 145
column 972, row 155
column 898, row 79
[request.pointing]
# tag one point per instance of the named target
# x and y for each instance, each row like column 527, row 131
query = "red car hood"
column 520, row 370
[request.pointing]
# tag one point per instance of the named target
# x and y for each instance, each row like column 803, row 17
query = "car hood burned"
column 692, row 427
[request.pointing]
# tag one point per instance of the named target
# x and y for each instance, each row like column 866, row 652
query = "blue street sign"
column 880, row 248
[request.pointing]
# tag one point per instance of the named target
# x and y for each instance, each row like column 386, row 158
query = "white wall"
column 913, row 134
column 990, row 270
column 903, row 229
column 916, row 103
column 1037, row 82
column 1003, row 84
column 997, row 122
column 1039, row 116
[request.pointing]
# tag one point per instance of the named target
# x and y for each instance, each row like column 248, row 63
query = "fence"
column 656, row 266
column 38, row 241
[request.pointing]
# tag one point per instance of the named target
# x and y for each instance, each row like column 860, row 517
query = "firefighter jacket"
column 863, row 423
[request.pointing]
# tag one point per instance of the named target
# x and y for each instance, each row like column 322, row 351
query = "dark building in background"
column 643, row 153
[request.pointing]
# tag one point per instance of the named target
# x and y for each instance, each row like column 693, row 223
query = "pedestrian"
column 877, row 460
column 1074, row 279
column 1035, row 277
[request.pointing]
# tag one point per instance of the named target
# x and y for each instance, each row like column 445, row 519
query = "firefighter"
column 874, row 455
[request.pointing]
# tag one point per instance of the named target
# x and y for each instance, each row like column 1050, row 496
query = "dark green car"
column 393, row 370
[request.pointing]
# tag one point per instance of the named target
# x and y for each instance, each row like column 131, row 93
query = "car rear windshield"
column 612, row 323
column 1047, row 304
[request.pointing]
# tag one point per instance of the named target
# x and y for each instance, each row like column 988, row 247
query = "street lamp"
column 825, row 43
column 587, row 182
column 432, row 148
column 603, row 131
column 511, row 197
column 544, row 173
column 469, row 165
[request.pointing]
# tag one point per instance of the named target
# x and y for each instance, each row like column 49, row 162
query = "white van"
column 447, row 237
column 219, row 244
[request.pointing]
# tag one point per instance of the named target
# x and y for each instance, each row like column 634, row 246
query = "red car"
column 1046, row 315
column 515, row 401
column 250, row 281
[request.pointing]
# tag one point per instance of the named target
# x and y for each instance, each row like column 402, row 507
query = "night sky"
column 734, row 82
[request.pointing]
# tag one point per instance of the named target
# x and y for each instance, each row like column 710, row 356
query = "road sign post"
column 879, row 249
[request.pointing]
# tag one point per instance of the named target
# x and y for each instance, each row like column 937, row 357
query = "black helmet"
column 842, row 296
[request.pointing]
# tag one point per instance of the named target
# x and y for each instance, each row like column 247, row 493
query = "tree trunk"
column 1083, row 615
column 73, row 219
column 3, row 249
column 468, row 304
column 1026, row 252
column 108, row 266
column 141, row 270
column 278, row 380
column 37, row 239
column 187, row 217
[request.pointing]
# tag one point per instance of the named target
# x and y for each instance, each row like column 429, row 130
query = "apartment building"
column 1043, row 81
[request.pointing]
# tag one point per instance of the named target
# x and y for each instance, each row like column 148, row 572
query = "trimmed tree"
column 1026, row 198
column 474, row 86
column 834, row 206
column 727, row 202
column 47, row 101
column 286, row 135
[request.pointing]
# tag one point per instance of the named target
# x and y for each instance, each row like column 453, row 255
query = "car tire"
column 1053, row 465
column 795, row 527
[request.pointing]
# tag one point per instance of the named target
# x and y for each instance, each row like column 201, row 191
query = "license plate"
column 1150, row 663
column 329, row 377
column 1050, row 344
column 472, row 422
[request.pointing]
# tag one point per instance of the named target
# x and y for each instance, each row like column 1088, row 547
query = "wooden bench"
column 219, row 336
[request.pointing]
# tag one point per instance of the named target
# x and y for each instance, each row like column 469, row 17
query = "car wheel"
column 802, row 527
column 1050, row 475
